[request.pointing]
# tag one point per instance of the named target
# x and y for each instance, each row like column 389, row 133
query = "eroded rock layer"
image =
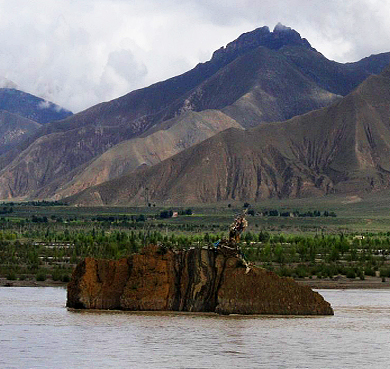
column 196, row 280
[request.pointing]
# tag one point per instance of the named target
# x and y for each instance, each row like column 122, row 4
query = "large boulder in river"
column 196, row 280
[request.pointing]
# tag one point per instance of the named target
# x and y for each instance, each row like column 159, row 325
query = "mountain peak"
column 281, row 36
column 281, row 27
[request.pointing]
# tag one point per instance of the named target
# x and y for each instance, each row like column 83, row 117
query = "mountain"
column 22, row 115
column 14, row 129
column 343, row 148
column 262, row 76
column 175, row 135
column 30, row 106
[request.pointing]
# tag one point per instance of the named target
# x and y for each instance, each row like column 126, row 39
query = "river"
column 37, row 331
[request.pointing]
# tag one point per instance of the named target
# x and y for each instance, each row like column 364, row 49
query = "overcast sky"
column 78, row 53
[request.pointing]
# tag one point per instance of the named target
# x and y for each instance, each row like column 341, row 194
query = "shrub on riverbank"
column 41, row 276
column 11, row 276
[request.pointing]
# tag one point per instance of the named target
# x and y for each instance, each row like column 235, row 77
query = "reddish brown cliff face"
column 197, row 280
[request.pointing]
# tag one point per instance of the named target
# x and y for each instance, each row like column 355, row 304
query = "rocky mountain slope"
column 175, row 136
column 262, row 76
column 14, row 129
column 343, row 148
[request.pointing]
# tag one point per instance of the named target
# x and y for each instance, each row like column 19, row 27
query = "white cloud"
column 121, row 73
column 78, row 53
column 44, row 104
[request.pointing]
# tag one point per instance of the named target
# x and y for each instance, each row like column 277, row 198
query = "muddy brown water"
column 37, row 331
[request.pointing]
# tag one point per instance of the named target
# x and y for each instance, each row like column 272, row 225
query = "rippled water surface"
column 37, row 331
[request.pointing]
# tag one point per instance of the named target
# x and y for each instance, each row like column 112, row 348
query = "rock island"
column 194, row 280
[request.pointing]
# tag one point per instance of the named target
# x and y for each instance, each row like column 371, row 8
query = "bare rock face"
column 196, row 280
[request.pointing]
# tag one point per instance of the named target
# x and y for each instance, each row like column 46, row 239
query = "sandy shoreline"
column 31, row 283
column 346, row 283
column 326, row 283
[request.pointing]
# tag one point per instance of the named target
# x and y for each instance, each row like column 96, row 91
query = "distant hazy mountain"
column 30, row 106
column 261, row 77
column 343, row 148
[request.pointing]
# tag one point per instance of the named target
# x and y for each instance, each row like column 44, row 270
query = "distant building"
column 358, row 237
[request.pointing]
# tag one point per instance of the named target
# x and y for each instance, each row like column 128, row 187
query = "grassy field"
column 354, row 214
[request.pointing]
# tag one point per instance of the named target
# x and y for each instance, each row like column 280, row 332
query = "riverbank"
column 4, row 282
column 343, row 283
column 325, row 283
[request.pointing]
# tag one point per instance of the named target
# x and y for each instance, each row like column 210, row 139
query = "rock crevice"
column 195, row 280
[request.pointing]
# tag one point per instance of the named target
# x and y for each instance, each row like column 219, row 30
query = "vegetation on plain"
column 46, row 242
